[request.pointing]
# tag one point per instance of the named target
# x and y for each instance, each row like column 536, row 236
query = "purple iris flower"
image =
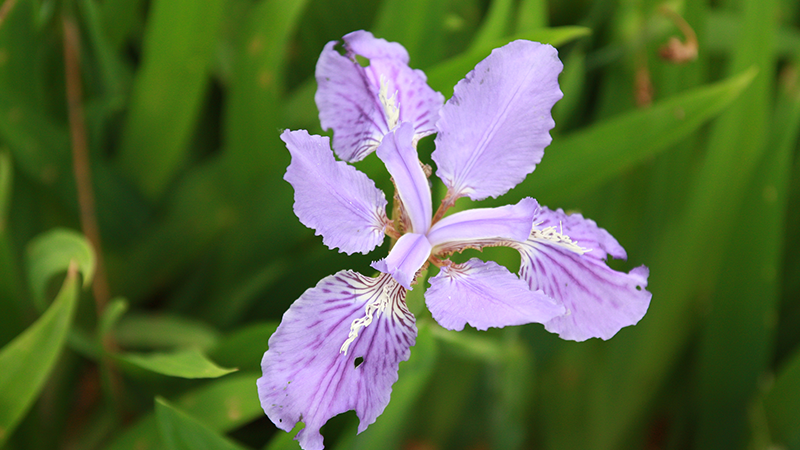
column 339, row 345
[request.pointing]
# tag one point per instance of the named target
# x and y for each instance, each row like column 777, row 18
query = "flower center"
column 558, row 238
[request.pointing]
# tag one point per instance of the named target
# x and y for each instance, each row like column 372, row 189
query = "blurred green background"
column 149, row 130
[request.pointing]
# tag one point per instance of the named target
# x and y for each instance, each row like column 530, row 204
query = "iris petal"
column 407, row 256
column 400, row 156
column 476, row 228
column 339, row 202
column 485, row 294
column 570, row 267
column 494, row 129
column 305, row 376
column 348, row 95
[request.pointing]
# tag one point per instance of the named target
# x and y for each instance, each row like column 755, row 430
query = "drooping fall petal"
column 306, row 375
column 362, row 104
column 565, row 258
column 333, row 198
column 494, row 129
column 485, row 294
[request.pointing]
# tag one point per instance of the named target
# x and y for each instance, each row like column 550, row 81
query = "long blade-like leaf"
column 29, row 358
column 582, row 161
column 179, row 431
column 168, row 90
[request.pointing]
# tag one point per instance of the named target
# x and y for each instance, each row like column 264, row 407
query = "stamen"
column 389, row 104
column 557, row 237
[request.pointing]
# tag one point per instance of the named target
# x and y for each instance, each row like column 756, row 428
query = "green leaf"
column 50, row 253
column 253, row 108
column 511, row 382
column 572, row 83
column 121, row 18
column 40, row 145
column 183, row 364
column 179, row 431
column 185, row 232
column 222, row 405
column 444, row 76
column 495, row 24
column 587, row 158
column 737, row 344
column 285, row 441
column 532, row 14
column 168, row 90
column 29, row 358
column 115, row 77
column 722, row 25
column 687, row 259
column 781, row 404
column 469, row 345
column 163, row 331
column 236, row 299
column 245, row 347
column 116, row 308
column 11, row 321
column 417, row 25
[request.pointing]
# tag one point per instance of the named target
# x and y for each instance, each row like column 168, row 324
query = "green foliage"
column 179, row 431
column 31, row 356
column 183, row 363
column 781, row 404
column 51, row 253
column 692, row 166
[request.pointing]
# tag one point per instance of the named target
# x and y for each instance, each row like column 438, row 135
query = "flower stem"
column 80, row 158
column 86, row 200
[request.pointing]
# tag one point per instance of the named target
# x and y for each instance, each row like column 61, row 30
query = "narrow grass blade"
column 30, row 357
column 179, row 431
column 222, row 405
column 587, row 158
column 168, row 91
column 183, row 364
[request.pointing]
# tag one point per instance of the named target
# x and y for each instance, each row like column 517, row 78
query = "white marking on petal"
column 373, row 310
column 390, row 105
column 558, row 238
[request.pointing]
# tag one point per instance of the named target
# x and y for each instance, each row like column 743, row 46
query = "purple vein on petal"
column 306, row 377
column 484, row 295
column 348, row 95
column 599, row 300
column 494, row 129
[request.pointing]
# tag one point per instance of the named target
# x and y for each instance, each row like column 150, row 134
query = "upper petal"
column 365, row 44
column 406, row 257
column 565, row 257
column 494, row 129
column 400, row 156
column 485, row 294
column 306, row 378
column 480, row 227
column 349, row 95
column 336, row 200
